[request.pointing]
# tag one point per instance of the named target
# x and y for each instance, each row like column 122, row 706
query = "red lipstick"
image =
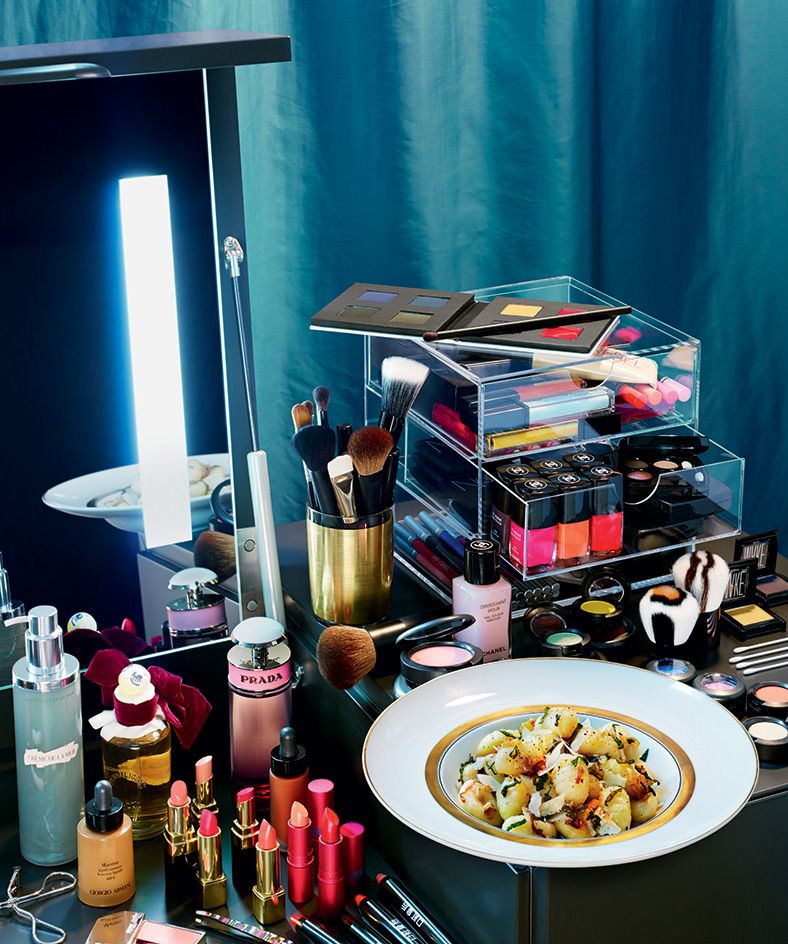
column 209, row 851
column 330, row 873
column 353, row 852
column 300, row 859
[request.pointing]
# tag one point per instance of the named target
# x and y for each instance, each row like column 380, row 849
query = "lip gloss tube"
column 330, row 874
column 411, row 910
column 244, row 835
column 388, row 924
column 319, row 797
column 300, row 858
column 203, row 797
column 180, row 846
column 213, row 883
column 268, row 895
column 574, row 519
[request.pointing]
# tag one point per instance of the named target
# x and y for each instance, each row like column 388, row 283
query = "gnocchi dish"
column 557, row 777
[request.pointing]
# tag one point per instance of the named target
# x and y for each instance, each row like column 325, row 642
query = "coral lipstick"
column 203, row 778
column 180, row 846
column 268, row 896
column 300, row 858
column 330, row 873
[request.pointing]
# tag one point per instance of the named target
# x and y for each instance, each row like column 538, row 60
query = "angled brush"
column 315, row 445
column 321, row 396
column 369, row 448
column 401, row 380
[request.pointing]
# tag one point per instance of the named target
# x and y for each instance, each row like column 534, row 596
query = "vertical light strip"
column 155, row 359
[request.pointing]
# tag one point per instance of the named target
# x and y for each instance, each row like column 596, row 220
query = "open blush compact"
column 769, row 698
column 430, row 650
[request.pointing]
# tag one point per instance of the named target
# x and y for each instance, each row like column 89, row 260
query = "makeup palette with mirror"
column 771, row 588
column 741, row 614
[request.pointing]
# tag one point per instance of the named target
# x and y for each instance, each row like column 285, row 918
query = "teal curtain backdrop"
column 640, row 145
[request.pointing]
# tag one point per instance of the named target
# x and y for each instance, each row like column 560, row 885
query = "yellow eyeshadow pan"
column 749, row 614
column 602, row 607
column 522, row 311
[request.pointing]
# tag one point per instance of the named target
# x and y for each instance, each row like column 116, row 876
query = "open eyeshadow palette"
column 741, row 614
column 393, row 310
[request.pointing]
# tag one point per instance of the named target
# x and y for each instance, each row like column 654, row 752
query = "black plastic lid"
column 482, row 561
column 581, row 460
column 609, row 489
column 104, row 813
column 550, row 466
column 540, row 495
column 576, row 493
column 288, row 759
column 513, row 473
column 437, row 630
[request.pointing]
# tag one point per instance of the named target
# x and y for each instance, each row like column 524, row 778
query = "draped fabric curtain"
column 640, row 145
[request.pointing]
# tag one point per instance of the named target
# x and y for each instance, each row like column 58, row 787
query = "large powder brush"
column 345, row 654
column 705, row 576
column 669, row 615
column 369, row 448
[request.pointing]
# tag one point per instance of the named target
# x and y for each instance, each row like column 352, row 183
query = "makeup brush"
column 705, row 576
column 345, row 654
column 322, row 396
column 369, row 448
column 668, row 615
column 301, row 416
column 215, row 551
column 315, row 445
column 401, row 380
column 526, row 324
column 392, row 464
column 344, row 432
column 340, row 471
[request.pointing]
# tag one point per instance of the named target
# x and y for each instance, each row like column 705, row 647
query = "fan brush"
column 401, row 381
column 315, row 445
column 369, row 448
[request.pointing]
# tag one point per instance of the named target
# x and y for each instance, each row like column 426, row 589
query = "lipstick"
column 209, row 857
column 319, row 796
column 268, row 895
column 312, row 931
column 409, row 909
column 203, row 798
column 353, row 852
column 330, row 874
column 387, row 924
column 300, row 858
column 180, row 846
column 243, row 834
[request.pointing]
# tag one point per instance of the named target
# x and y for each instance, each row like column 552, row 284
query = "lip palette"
column 771, row 587
column 741, row 615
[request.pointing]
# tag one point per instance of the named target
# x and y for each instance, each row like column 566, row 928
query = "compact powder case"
column 430, row 650
column 543, row 620
column 600, row 609
column 770, row 736
column 771, row 587
column 769, row 698
column 677, row 670
column 565, row 642
column 726, row 689
column 740, row 614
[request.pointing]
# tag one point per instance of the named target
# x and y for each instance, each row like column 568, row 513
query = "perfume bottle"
column 48, row 733
column 12, row 628
column 106, row 851
column 198, row 616
column 137, row 757
column 260, row 677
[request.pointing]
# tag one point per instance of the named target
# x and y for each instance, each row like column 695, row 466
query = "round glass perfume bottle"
column 137, row 757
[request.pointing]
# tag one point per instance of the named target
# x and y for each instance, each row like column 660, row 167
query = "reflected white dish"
column 74, row 497
column 412, row 753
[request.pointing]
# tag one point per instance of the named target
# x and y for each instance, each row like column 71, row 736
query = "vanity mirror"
column 123, row 394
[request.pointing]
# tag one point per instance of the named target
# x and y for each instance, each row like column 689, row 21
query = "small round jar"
column 565, row 643
column 770, row 736
column 677, row 670
column 728, row 690
column 430, row 650
column 600, row 609
column 768, row 698
column 543, row 620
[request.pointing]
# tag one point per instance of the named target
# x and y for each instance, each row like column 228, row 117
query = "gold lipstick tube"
column 180, row 838
column 212, row 880
column 268, row 895
column 203, row 799
column 243, row 834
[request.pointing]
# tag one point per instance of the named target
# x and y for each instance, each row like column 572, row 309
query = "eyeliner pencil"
column 526, row 324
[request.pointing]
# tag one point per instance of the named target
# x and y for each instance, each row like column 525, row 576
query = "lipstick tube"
column 319, row 796
column 213, row 883
column 300, row 858
column 387, row 924
column 352, row 852
column 243, row 835
column 330, row 872
column 203, row 797
column 268, row 895
column 407, row 906
column 180, row 846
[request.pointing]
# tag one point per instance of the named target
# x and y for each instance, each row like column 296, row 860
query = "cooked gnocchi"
column 559, row 777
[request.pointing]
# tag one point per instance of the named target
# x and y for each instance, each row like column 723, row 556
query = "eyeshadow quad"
column 771, row 587
column 413, row 312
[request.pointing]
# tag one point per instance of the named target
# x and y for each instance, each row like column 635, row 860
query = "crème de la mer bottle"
column 484, row 594
column 48, row 731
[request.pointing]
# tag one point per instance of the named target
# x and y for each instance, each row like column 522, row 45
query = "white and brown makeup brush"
column 345, row 654
column 705, row 576
column 369, row 448
column 668, row 615
column 315, row 445
column 401, row 379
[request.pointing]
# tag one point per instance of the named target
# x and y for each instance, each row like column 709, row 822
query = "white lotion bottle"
column 483, row 594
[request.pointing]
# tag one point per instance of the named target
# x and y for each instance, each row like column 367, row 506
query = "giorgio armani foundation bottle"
column 105, row 851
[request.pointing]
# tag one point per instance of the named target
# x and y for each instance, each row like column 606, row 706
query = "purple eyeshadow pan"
column 377, row 296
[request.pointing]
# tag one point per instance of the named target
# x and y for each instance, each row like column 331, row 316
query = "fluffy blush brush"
column 369, row 448
column 315, row 445
column 216, row 551
column 705, row 576
column 401, row 380
column 345, row 654
column 669, row 615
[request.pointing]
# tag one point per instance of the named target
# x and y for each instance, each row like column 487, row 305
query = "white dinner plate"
column 74, row 497
column 703, row 757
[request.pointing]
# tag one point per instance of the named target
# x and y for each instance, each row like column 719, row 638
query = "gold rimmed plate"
column 703, row 757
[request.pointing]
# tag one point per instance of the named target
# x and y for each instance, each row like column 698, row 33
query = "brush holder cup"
column 350, row 566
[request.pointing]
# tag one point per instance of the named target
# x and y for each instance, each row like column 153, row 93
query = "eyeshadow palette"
column 741, row 615
column 771, row 587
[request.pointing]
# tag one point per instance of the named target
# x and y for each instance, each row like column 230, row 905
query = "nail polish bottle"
column 539, row 526
column 607, row 507
column 573, row 535
column 288, row 779
column 105, row 849
column 484, row 594
column 509, row 476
